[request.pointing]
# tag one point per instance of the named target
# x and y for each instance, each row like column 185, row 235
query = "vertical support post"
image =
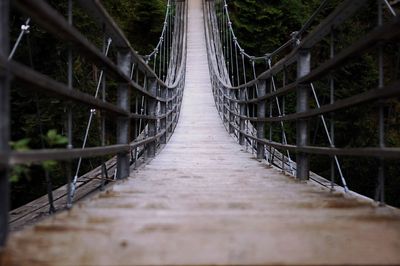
column 70, row 78
column 178, row 100
column 283, row 137
column 231, row 115
column 152, row 125
column 124, row 60
column 170, row 107
column 380, row 193
column 332, row 100
column 4, row 122
column 103, row 95
column 175, row 113
column 104, row 173
column 217, row 96
column 242, row 125
column 302, row 131
column 220, row 100
column 163, row 121
column 176, row 103
column 224, row 108
column 70, row 185
column 262, row 87
column 271, row 152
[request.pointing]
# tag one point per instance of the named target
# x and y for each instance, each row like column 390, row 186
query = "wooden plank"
column 36, row 210
column 87, row 185
column 203, row 200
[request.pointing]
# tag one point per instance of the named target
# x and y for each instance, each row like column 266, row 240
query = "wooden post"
column 124, row 60
column 262, row 85
column 302, row 131
column 231, row 115
column 242, row 107
column 163, row 121
column 170, row 107
column 152, row 125
column 4, row 123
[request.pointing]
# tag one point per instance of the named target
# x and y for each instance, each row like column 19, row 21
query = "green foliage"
column 19, row 171
column 49, row 165
column 141, row 21
column 269, row 23
column 53, row 139
column 20, row 145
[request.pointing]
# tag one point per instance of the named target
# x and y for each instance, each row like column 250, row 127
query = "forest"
column 261, row 27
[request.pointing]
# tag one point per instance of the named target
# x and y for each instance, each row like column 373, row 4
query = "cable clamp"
column 295, row 37
column 25, row 28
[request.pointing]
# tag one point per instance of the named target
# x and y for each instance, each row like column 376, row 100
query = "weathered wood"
column 202, row 200
column 124, row 58
column 88, row 184
column 4, row 122
column 36, row 210
column 302, row 128
column 262, row 86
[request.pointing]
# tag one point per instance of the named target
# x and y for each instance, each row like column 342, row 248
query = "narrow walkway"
column 203, row 200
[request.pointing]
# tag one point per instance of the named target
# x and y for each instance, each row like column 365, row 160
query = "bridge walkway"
column 204, row 200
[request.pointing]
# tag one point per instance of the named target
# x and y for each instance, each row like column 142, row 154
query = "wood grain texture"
column 204, row 200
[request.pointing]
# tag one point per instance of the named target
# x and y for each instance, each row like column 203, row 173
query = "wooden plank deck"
column 203, row 200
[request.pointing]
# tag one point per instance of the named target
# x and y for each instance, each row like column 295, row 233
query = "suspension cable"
column 89, row 123
column 24, row 30
column 163, row 32
column 329, row 140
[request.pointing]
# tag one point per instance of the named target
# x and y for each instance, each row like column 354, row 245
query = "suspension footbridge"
column 198, row 197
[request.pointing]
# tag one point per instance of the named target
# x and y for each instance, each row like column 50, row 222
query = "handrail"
column 243, row 102
column 43, row 83
column 314, row 36
column 156, row 108
column 383, row 33
column 32, row 156
column 163, row 32
column 100, row 14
